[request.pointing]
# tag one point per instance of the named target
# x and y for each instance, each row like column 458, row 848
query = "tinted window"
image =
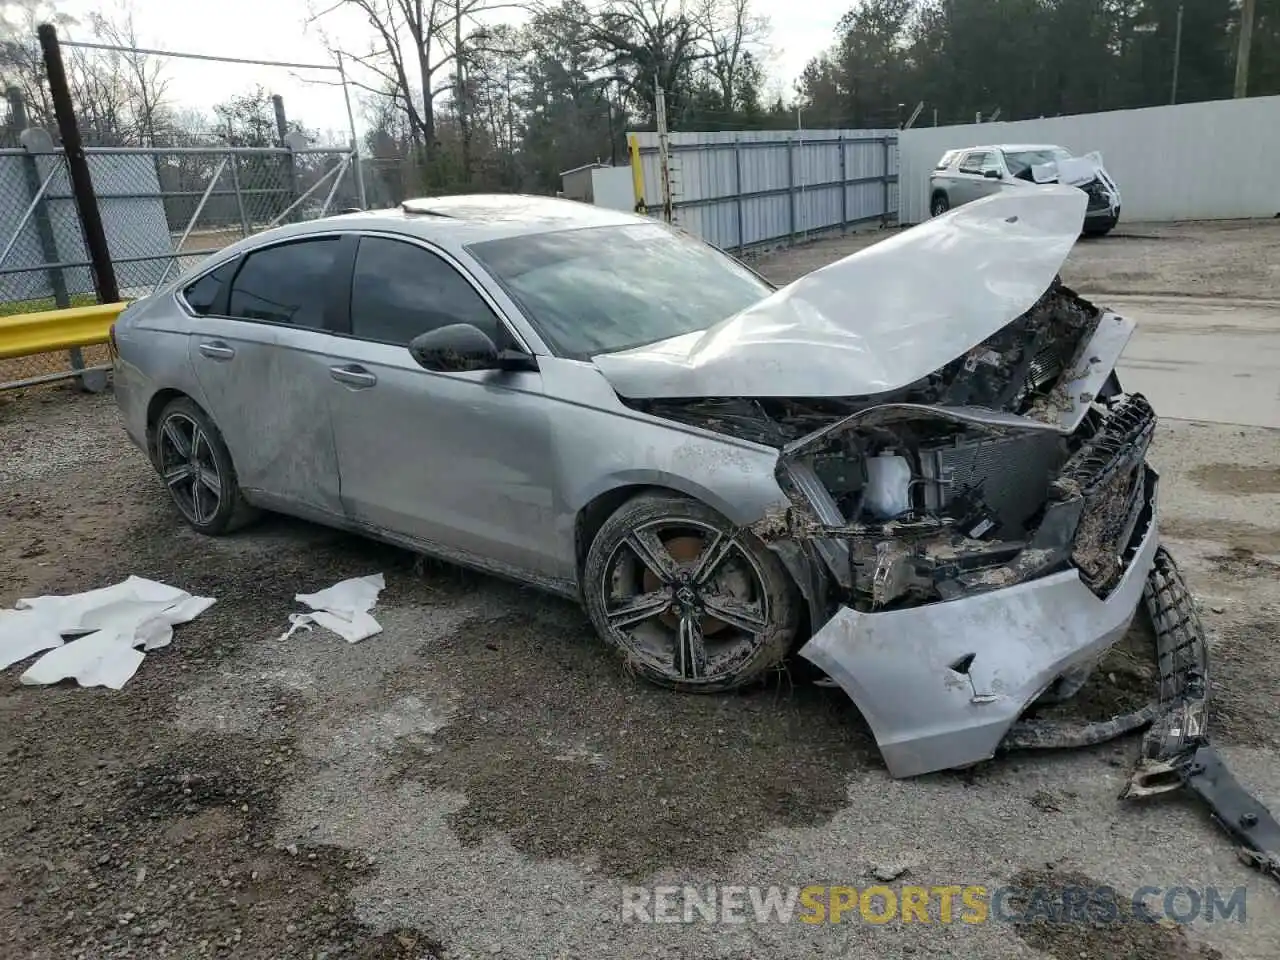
column 285, row 284
column 974, row 162
column 605, row 289
column 401, row 290
column 203, row 293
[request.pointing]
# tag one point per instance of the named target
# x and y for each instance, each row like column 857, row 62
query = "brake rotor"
column 686, row 550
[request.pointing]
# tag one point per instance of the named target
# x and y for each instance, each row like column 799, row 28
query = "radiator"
column 1010, row 474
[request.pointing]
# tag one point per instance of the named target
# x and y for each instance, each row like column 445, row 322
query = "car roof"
column 1008, row 147
column 455, row 221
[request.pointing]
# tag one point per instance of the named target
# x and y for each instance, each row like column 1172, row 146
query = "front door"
column 258, row 356
column 972, row 182
column 461, row 460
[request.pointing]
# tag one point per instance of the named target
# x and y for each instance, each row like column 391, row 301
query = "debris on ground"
column 888, row 872
column 114, row 627
column 342, row 608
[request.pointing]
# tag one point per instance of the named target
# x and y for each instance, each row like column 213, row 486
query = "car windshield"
column 1020, row 162
column 605, row 289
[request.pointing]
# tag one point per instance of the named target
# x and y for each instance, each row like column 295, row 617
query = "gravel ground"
column 482, row 778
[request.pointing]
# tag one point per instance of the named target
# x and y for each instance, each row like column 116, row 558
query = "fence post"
column 290, row 161
column 791, row 189
column 235, row 185
column 737, row 179
column 33, row 143
column 844, row 187
column 95, row 237
column 884, row 215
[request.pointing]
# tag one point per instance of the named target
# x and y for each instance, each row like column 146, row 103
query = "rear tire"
column 939, row 204
column 660, row 577
column 195, row 465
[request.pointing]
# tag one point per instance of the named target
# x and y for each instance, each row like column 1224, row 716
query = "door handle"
column 353, row 375
column 217, row 350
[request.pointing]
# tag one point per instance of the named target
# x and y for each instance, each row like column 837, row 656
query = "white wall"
column 611, row 187
column 1193, row 161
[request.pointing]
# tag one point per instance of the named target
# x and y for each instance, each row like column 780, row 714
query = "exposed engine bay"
column 933, row 499
column 1015, row 369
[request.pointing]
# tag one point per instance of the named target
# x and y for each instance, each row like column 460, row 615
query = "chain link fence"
column 163, row 211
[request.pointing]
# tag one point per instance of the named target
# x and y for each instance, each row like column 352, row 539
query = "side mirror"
column 461, row 347
column 991, row 174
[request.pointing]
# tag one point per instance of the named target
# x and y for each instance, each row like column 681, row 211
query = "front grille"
column 1108, row 471
column 1097, row 192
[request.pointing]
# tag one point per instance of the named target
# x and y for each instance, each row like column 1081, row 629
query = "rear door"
column 462, row 460
column 258, row 349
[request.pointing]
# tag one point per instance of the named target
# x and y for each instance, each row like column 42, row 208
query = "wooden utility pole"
column 664, row 149
column 1247, row 10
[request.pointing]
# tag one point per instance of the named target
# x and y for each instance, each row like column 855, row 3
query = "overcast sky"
column 276, row 30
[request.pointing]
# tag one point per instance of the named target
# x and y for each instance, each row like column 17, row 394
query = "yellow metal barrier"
column 637, row 173
column 30, row 333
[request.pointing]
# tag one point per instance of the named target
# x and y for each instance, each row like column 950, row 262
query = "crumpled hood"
column 1073, row 172
column 877, row 320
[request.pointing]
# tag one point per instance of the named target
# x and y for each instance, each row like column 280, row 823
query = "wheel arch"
column 600, row 503
column 159, row 400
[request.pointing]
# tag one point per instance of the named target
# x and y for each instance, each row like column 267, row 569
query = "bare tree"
column 650, row 41
column 144, row 79
column 732, row 34
column 405, row 55
column 21, row 63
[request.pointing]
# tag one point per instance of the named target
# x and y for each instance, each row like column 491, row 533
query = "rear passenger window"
column 288, row 283
column 202, row 294
column 401, row 290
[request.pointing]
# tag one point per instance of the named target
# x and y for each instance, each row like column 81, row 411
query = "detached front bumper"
column 942, row 685
column 948, row 689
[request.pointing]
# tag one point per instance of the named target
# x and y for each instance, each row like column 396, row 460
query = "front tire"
column 1101, row 227
column 195, row 465
column 688, row 600
column 939, row 204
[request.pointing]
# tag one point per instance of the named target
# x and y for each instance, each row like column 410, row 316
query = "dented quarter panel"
column 154, row 358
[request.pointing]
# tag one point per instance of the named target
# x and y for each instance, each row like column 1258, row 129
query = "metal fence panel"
column 163, row 211
column 746, row 189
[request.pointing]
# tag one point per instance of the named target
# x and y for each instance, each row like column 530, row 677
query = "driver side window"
column 400, row 290
column 980, row 162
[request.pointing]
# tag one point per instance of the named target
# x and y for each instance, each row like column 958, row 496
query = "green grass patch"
column 14, row 307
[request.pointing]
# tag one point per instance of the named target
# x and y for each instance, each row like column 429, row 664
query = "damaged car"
column 915, row 467
column 970, row 173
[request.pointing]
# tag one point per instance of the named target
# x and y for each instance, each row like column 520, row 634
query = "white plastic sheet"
column 879, row 319
column 343, row 608
column 117, row 624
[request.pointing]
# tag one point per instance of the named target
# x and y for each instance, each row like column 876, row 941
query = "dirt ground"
column 482, row 778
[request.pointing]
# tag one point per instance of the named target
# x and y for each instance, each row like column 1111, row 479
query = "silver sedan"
column 916, row 465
